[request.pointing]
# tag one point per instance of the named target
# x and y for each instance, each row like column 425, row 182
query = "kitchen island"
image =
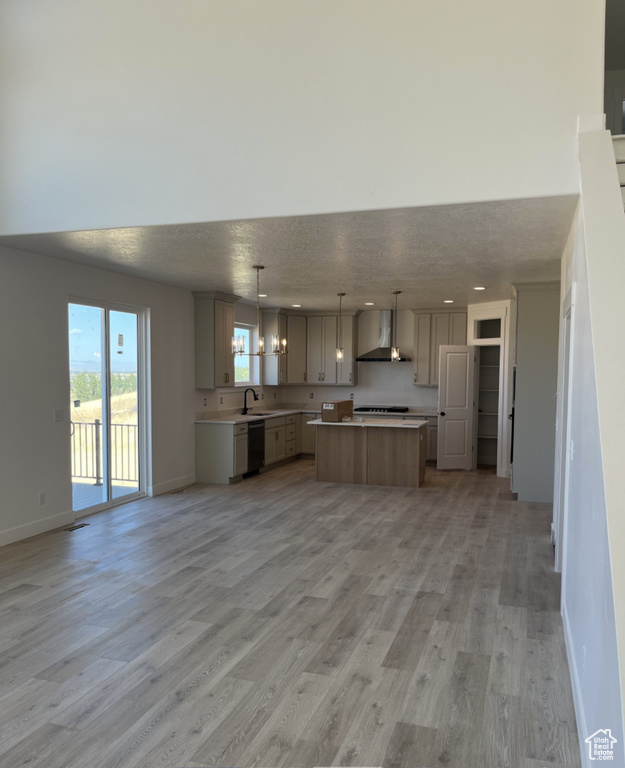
column 371, row 452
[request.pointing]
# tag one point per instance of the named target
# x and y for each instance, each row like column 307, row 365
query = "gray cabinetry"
column 296, row 355
column 275, row 440
column 432, row 330
column 214, row 329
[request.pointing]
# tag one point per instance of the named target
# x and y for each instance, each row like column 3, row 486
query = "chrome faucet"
column 245, row 408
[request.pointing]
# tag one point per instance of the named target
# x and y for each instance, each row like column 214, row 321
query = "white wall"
column 126, row 113
column 34, row 381
column 593, row 573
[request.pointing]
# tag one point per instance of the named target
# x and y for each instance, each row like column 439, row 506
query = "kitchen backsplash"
column 378, row 384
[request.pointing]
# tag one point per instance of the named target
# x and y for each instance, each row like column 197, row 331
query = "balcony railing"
column 87, row 451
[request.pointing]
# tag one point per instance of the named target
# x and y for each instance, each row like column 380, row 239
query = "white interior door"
column 456, row 407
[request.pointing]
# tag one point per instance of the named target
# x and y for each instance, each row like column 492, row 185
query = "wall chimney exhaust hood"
column 382, row 353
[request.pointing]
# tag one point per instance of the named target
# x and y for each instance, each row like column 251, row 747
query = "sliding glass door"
column 105, row 387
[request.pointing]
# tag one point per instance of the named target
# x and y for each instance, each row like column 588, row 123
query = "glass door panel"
column 124, row 426
column 104, row 377
column 87, row 373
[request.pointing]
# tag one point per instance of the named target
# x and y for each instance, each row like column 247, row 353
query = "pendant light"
column 340, row 353
column 395, row 356
column 278, row 346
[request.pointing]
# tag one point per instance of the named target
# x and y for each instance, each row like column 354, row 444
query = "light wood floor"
column 284, row 622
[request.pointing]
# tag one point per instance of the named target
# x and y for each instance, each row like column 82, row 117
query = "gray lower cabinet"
column 308, row 433
column 291, row 434
column 432, row 442
column 240, row 453
column 220, row 452
column 275, row 440
column 431, row 435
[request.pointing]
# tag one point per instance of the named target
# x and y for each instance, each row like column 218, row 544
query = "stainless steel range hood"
column 382, row 353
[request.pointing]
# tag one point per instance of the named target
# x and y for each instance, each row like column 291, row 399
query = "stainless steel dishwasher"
column 255, row 446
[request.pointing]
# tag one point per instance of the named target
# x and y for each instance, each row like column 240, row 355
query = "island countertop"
column 412, row 424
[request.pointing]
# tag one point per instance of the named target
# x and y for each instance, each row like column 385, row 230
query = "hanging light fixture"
column 339, row 349
column 395, row 355
column 278, row 346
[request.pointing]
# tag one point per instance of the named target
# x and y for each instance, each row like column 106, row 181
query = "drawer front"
column 290, row 448
column 278, row 421
column 290, row 431
column 291, row 419
column 240, row 429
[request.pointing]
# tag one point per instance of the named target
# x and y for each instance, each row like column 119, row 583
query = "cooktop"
column 383, row 409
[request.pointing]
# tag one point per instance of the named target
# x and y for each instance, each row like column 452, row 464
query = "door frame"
column 143, row 399
column 561, row 484
column 506, row 312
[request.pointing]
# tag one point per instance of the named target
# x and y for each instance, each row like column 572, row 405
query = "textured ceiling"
column 430, row 254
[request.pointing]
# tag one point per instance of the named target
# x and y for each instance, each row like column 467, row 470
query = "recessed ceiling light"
column 369, row 304
column 262, row 295
column 448, row 301
column 296, row 305
column 479, row 288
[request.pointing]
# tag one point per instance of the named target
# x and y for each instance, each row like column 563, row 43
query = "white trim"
column 106, row 505
column 580, row 715
column 586, row 123
column 144, row 390
column 171, row 485
column 43, row 525
column 505, row 311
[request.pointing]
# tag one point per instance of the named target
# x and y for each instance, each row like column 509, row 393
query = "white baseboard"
column 42, row 525
column 580, row 715
column 171, row 485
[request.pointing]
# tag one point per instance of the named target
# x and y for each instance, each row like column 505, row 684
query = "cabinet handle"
column 227, row 375
column 442, row 413
column 277, row 434
column 350, row 376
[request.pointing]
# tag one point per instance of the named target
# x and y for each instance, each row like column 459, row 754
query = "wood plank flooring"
column 285, row 622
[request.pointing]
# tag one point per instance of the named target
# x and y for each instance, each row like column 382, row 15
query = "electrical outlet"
column 58, row 415
column 42, row 497
column 351, row 397
column 312, row 394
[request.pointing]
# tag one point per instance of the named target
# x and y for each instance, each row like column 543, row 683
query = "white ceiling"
column 430, row 254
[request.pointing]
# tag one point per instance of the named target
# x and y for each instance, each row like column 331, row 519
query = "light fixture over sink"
column 278, row 346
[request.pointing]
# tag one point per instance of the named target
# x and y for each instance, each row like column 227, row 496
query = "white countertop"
column 412, row 424
column 234, row 418
column 239, row 418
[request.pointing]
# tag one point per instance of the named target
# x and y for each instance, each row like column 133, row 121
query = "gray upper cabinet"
column 321, row 349
column 214, row 329
column 296, row 356
column 433, row 329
